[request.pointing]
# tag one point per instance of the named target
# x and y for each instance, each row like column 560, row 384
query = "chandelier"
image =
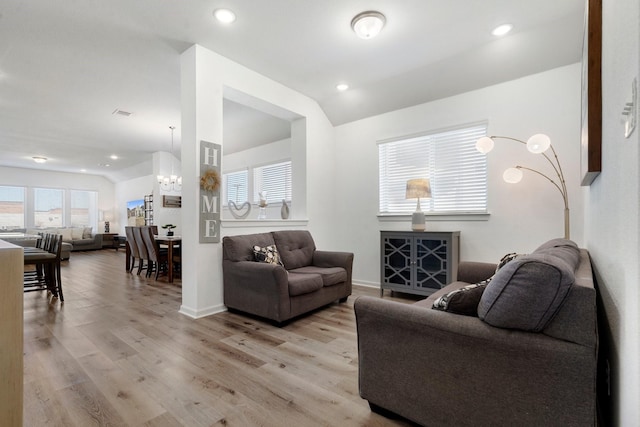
column 171, row 182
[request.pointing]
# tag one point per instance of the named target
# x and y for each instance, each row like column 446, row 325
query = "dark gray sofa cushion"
column 296, row 248
column 303, row 283
column 330, row 275
column 527, row 292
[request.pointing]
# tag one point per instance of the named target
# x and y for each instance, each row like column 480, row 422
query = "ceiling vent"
column 119, row 112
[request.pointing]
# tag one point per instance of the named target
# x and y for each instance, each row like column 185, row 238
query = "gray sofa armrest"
column 256, row 287
column 474, row 272
column 439, row 368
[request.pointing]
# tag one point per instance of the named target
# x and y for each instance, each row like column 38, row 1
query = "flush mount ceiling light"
column 342, row 87
column 502, row 30
column 225, row 16
column 39, row 159
column 368, row 24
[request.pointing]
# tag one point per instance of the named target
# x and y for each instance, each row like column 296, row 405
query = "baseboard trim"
column 365, row 284
column 198, row 313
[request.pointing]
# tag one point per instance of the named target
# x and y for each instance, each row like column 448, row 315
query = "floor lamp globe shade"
column 484, row 144
column 417, row 221
column 512, row 175
column 538, row 143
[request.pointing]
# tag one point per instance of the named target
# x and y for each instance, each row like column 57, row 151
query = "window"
column 83, row 207
column 12, row 208
column 48, row 207
column 275, row 179
column 236, row 186
column 449, row 159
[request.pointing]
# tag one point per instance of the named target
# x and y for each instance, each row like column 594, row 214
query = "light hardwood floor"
column 118, row 353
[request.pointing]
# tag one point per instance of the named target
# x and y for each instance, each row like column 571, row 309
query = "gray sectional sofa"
column 525, row 354
column 282, row 284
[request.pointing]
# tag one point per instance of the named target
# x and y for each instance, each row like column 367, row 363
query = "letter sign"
column 210, row 187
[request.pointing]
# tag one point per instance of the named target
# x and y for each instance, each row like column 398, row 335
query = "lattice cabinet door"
column 418, row 262
column 431, row 263
column 397, row 262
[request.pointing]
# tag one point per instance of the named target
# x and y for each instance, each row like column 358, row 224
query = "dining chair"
column 157, row 258
column 142, row 250
column 47, row 275
column 133, row 246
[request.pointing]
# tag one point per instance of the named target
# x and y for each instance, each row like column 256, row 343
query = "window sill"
column 251, row 223
column 484, row 216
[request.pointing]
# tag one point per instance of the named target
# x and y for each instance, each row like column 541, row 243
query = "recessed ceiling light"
column 39, row 159
column 225, row 16
column 83, row 170
column 502, row 30
column 342, row 87
column 368, row 24
column 114, row 157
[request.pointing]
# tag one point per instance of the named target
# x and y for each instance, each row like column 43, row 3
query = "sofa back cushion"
column 526, row 293
column 296, row 248
column 240, row 248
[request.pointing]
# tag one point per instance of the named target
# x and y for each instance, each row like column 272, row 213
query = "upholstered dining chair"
column 142, row 249
column 133, row 246
column 157, row 257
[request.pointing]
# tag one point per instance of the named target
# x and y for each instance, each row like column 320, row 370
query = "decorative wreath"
column 210, row 180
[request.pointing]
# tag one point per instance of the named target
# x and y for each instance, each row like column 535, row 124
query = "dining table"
column 171, row 242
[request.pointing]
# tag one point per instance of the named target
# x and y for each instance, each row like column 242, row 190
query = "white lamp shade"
column 538, row 143
column 484, row 144
column 512, row 175
column 368, row 24
column 417, row 188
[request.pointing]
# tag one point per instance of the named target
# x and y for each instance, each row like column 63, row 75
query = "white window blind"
column 236, row 186
column 449, row 159
column 275, row 179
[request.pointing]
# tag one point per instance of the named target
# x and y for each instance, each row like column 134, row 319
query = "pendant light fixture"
column 172, row 182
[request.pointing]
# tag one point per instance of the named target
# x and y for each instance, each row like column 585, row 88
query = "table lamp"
column 417, row 188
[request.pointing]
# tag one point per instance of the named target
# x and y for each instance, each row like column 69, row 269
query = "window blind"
column 449, row 159
column 236, row 186
column 275, row 179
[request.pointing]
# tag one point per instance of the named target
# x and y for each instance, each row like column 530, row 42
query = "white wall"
column 522, row 216
column 61, row 180
column 612, row 211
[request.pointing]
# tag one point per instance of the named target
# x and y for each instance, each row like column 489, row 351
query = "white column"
column 201, row 92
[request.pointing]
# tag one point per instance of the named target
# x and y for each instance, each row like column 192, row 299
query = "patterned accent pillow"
column 506, row 259
column 463, row 300
column 268, row 254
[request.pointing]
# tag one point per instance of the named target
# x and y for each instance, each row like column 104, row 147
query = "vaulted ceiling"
column 66, row 66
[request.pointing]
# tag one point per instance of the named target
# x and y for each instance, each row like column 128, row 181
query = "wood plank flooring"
column 118, row 353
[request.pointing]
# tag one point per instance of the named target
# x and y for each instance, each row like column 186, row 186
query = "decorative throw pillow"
column 506, row 259
column 268, row 254
column 463, row 300
column 86, row 232
column 76, row 233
